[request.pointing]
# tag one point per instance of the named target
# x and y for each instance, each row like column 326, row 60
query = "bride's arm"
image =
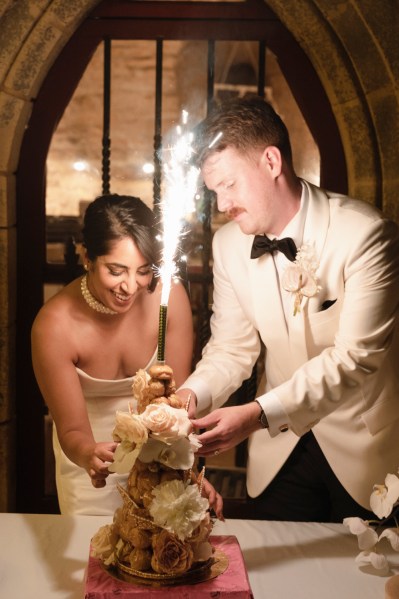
column 54, row 367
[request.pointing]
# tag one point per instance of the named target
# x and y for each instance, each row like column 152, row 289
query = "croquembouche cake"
column 162, row 529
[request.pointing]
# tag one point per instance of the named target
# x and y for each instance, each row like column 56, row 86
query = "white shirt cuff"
column 275, row 413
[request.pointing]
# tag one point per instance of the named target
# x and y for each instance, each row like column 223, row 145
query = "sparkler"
column 178, row 201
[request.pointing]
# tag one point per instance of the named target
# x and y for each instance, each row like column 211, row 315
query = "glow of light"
column 148, row 168
column 180, row 186
column 80, row 165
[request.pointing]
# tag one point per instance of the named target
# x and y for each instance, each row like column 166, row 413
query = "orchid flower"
column 384, row 497
column 367, row 537
column 384, row 503
column 377, row 560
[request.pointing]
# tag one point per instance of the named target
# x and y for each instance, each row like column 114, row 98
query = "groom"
column 314, row 276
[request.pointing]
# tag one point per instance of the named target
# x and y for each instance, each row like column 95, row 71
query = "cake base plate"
column 200, row 573
column 226, row 577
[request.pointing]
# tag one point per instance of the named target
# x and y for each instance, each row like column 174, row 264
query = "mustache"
column 233, row 212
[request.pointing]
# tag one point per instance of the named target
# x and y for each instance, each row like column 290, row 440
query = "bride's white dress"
column 76, row 494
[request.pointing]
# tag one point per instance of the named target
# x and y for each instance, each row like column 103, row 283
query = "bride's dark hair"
column 112, row 217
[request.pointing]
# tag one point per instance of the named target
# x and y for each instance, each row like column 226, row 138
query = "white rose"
column 166, row 423
column 132, row 434
column 129, row 427
column 103, row 544
column 140, row 382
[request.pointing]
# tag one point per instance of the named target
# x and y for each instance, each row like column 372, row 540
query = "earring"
column 86, row 266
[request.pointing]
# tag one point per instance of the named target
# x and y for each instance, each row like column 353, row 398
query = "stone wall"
column 353, row 47
column 32, row 33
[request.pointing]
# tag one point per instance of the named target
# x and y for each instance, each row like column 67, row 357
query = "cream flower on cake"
column 140, row 389
column 178, row 455
column 140, row 382
column 178, row 507
column 194, row 441
column 171, row 555
column 202, row 551
column 103, row 544
column 166, row 423
column 202, row 548
column 129, row 427
column 132, row 434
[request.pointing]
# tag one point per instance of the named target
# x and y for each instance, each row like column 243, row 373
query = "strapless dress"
column 76, row 494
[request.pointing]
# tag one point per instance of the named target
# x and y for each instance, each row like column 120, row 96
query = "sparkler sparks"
column 178, row 200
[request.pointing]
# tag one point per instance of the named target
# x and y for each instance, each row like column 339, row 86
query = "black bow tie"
column 263, row 244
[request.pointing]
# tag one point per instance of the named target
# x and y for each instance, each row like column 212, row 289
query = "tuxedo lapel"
column 315, row 233
column 317, row 219
column 286, row 339
column 268, row 309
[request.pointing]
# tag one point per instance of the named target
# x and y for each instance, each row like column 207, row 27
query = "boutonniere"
column 300, row 278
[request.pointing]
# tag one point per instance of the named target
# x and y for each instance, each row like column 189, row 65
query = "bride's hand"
column 100, row 459
column 214, row 498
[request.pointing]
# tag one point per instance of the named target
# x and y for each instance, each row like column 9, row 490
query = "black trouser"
column 306, row 490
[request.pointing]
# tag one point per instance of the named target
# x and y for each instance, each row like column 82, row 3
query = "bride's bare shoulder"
column 60, row 309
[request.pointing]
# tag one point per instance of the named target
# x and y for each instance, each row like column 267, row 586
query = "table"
column 45, row 556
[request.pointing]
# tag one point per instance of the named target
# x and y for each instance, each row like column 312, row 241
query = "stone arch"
column 347, row 42
column 351, row 47
column 32, row 35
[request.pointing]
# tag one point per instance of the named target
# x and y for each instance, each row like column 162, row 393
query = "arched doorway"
column 151, row 21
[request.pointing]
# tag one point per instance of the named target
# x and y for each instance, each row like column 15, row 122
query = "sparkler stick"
column 178, row 201
column 163, row 311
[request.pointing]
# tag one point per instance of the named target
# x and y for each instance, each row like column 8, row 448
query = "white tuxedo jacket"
column 335, row 371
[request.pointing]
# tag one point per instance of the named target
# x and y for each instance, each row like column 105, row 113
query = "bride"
column 89, row 340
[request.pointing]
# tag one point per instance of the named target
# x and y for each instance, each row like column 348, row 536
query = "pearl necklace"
column 91, row 300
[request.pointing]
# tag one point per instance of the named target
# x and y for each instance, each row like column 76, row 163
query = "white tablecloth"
column 45, row 556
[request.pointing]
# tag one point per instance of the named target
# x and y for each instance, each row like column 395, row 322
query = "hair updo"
column 112, row 217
